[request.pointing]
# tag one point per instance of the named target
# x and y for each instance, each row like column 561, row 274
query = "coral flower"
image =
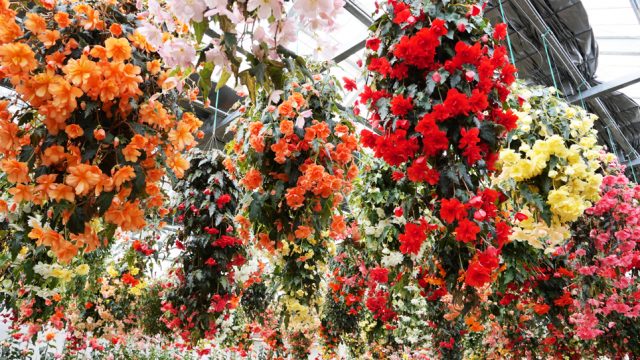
column 80, row 71
column 286, row 109
column 124, row 174
column 118, row 49
column 58, row 192
column 17, row 172
column 35, row 23
column 17, row 58
column 73, row 131
column 303, row 232
column 22, row 193
column 181, row 136
column 83, row 178
column 62, row 18
column 252, row 180
column 49, row 38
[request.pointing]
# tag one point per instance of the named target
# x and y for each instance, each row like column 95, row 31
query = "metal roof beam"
column 605, row 88
column 563, row 59
column 358, row 13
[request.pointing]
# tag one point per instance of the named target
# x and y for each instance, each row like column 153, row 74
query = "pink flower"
column 178, row 52
column 187, row 10
column 265, row 8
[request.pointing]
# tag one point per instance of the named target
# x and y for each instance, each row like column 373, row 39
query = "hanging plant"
column 438, row 100
column 86, row 143
column 293, row 154
column 202, row 287
column 549, row 166
column 90, row 139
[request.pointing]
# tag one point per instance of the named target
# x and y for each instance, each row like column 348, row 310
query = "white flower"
column 152, row 34
column 177, row 52
column 394, row 258
column 266, row 8
column 287, row 31
column 313, row 8
column 187, row 10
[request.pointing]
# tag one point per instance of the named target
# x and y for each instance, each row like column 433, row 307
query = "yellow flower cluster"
column 555, row 146
column 540, row 235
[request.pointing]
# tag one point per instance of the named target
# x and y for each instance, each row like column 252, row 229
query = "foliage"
column 203, row 287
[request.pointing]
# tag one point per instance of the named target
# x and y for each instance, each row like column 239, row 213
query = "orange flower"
column 22, row 193
column 178, row 164
column 49, row 38
column 65, row 251
column 17, row 58
column 58, row 192
column 115, row 29
column 338, row 227
column 83, row 178
column 73, row 131
column 180, row 137
column 9, row 140
column 297, row 100
column 124, row 174
column 89, row 240
column 286, row 109
column 53, row 155
column 118, row 49
column 35, row 23
column 10, row 30
column 252, row 180
column 286, row 127
column 131, row 152
column 17, row 172
column 98, row 52
column 154, row 67
column 128, row 216
column 322, row 130
column 80, row 72
column 64, row 95
column 62, row 18
column 303, row 232
column 295, row 197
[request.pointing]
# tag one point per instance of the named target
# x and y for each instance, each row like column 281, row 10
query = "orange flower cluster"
column 94, row 140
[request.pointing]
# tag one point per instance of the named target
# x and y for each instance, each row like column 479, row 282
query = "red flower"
column 452, row 209
column 223, row 200
column 541, row 309
column 412, row 239
column 349, row 84
column 457, row 103
column 380, row 65
column 469, row 142
column 434, row 139
column 564, row 300
column 489, row 258
column 373, row 44
column 477, row 275
column 419, row 171
column 397, row 175
column 402, row 13
column 379, row 275
column 210, row 262
column 500, row 31
column 400, row 105
column 128, row 279
column 467, row 231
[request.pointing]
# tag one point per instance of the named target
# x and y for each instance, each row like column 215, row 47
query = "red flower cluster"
column 479, row 271
column 378, row 304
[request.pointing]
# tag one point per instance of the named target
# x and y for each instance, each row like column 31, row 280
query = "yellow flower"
column 134, row 270
column 63, row 274
column 112, row 272
column 82, row 269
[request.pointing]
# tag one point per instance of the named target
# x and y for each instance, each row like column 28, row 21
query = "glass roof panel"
column 617, row 30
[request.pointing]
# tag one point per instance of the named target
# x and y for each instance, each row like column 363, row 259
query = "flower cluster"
column 177, row 29
column 202, row 286
column 293, row 153
column 550, row 166
column 88, row 142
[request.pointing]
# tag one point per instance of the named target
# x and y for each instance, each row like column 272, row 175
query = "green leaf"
column 204, row 82
column 224, row 77
column 199, row 29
